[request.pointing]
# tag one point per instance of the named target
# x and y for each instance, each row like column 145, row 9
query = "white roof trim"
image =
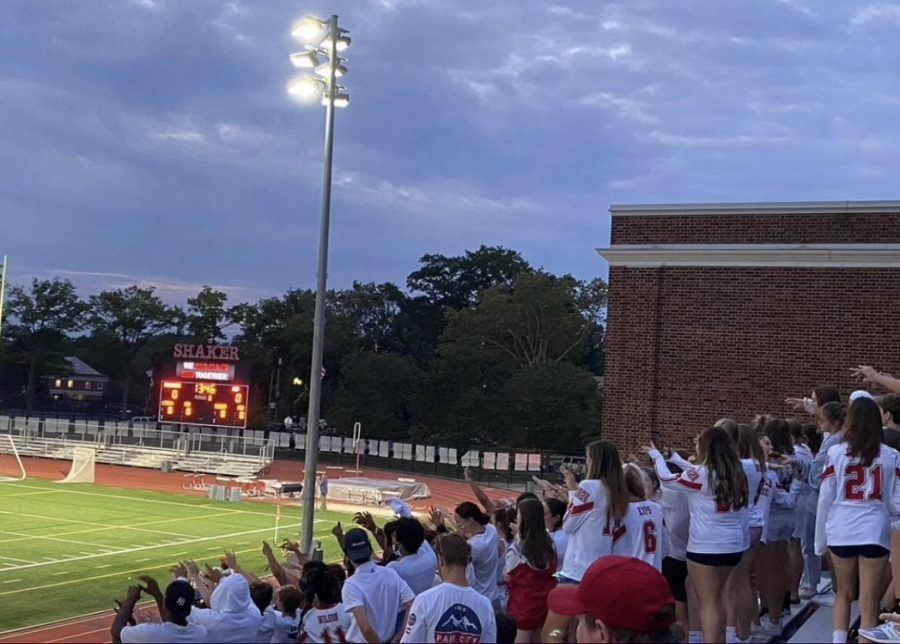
column 764, row 208
column 754, row 255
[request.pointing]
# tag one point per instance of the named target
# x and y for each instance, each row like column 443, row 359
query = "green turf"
column 68, row 550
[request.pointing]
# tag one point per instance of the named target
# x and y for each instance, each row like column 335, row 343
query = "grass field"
column 68, row 550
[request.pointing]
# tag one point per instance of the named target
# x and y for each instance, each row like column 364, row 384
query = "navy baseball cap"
column 179, row 598
column 357, row 546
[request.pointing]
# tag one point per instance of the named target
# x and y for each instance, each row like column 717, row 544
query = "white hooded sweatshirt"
column 232, row 616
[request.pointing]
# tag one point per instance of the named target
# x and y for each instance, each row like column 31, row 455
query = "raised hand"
column 338, row 531
column 867, row 373
column 365, row 520
column 133, row 594
column 569, row 477
column 467, row 474
column 436, row 516
column 179, row 570
column 231, row 560
column 215, row 576
column 646, row 449
column 192, row 568
column 794, row 403
column 151, row 587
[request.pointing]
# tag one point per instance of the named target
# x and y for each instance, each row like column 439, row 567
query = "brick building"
column 726, row 309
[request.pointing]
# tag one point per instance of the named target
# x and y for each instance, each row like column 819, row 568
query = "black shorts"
column 675, row 572
column 727, row 559
column 870, row 551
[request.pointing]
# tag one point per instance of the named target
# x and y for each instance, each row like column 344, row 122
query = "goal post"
column 11, row 468
column 82, row 470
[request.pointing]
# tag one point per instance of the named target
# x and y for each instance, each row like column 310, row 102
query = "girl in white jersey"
column 718, row 500
column 740, row 599
column 856, row 501
column 595, row 505
column 640, row 534
column 676, row 518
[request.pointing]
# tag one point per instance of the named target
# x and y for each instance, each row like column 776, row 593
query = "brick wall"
column 757, row 229
column 686, row 346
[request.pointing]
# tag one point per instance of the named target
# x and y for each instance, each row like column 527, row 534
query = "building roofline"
column 753, row 255
column 761, row 208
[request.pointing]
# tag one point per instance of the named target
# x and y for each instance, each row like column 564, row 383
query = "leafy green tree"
column 39, row 320
column 457, row 282
column 554, row 406
column 380, row 390
column 206, row 316
column 371, row 311
column 130, row 317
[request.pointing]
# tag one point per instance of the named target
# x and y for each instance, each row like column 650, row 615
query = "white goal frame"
column 82, row 470
column 8, row 446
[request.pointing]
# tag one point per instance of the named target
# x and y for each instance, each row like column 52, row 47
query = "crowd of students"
column 714, row 547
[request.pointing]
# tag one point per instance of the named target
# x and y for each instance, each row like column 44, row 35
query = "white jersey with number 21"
column 856, row 502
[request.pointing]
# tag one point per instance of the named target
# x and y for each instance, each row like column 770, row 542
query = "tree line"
column 478, row 349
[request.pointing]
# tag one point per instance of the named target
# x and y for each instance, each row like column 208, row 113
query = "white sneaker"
column 824, row 599
column 808, row 593
column 887, row 632
column 769, row 629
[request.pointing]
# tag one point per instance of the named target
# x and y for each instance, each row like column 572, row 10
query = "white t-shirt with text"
column 321, row 625
column 451, row 613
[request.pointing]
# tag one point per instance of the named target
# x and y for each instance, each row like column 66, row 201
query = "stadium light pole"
column 323, row 38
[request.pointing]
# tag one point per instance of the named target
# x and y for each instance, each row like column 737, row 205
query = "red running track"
column 445, row 493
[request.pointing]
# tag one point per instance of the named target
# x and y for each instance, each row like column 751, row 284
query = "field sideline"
column 68, row 550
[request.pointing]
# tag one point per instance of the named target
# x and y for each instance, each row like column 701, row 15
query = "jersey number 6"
column 649, row 537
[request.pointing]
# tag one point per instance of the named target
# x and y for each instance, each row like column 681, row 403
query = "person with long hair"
column 676, row 524
column 820, row 396
column 554, row 513
column 530, row 566
column 595, row 504
column 739, row 599
column 856, row 501
column 640, row 534
column 774, row 558
column 719, row 501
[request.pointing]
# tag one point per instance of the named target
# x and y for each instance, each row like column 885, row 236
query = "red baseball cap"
column 623, row 593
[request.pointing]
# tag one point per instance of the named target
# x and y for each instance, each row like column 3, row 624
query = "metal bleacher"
column 146, row 445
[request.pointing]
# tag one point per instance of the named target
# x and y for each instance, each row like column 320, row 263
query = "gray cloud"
column 151, row 140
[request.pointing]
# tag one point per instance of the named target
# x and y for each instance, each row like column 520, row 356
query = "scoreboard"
column 203, row 403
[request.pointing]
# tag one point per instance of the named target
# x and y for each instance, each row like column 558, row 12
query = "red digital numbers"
column 857, row 479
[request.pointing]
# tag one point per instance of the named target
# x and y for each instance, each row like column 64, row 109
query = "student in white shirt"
column 719, row 536
column 739, row 597
column 375, row 595
column 484, row 540
column 595, row 504
column 640, row 534
column 554, row 513
column 231, row 617
column 417, row 562
column 452, row 611
column 287, row 615
column 677, row 520
column 327, row 620
column 174, row 609
column 856, row 501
